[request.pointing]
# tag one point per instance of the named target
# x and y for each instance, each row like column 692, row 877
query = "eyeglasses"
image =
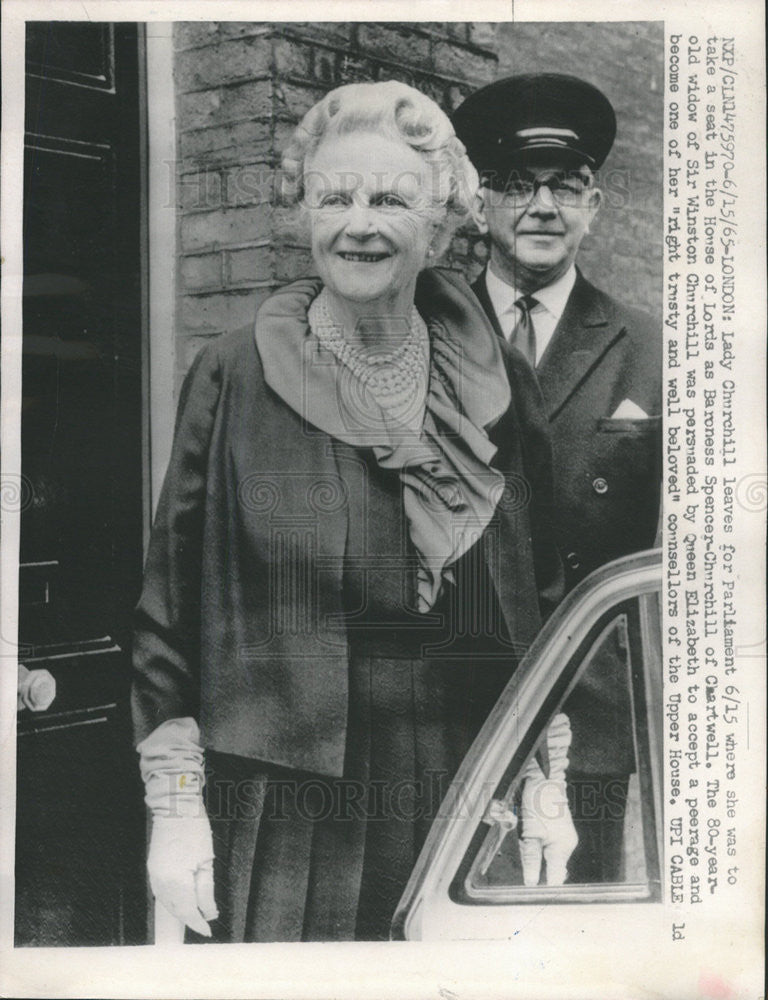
column 566, row 189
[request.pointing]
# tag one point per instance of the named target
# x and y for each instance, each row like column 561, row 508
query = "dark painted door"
column 79, row 816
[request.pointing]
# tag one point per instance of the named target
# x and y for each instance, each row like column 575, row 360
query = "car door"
column 597, row 664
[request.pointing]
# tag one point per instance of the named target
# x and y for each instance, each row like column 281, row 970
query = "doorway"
column 80, row 820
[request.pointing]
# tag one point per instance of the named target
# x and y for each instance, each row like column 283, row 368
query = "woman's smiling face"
column 372, row 218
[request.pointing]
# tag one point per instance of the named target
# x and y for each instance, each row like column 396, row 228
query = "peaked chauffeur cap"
column 509, row 120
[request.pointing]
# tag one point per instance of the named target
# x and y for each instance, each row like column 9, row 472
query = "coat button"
column 573, row 560
column 599, row 485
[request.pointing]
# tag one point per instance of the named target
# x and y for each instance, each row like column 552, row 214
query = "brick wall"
column 623, row 254
column 241, row 88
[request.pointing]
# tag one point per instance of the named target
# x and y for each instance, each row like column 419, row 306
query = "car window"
column 577, row 817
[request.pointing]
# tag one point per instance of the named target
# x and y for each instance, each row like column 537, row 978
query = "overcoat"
column 240, row 623
column 607, row 472
column 607, row 469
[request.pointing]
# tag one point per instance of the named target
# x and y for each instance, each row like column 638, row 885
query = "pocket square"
column 627, row 410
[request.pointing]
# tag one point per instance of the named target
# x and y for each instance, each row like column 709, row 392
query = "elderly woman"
column 349, row 554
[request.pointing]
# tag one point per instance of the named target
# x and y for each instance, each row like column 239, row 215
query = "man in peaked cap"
column 537, row 141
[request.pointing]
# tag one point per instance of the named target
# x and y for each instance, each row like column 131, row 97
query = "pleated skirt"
column 303, row 857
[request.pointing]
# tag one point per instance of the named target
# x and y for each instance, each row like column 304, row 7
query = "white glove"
column 180, row 866
column 547, row 829
column 180, row 862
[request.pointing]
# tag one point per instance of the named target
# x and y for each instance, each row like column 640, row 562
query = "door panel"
column 79, row 814
column 82, row 338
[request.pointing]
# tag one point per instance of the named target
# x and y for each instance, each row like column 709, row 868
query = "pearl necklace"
column 393, row 377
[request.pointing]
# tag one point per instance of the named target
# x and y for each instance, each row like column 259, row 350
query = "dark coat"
column 607, row 471
column 240, row 621
column 607, row 482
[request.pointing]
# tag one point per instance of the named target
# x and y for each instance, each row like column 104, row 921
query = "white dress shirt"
column 545, row 315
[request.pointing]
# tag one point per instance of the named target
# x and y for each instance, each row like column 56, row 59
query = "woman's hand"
column 180, row 862
column 547, row 830
column 180, row 866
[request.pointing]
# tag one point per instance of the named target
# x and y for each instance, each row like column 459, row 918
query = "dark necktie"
column 523, row 336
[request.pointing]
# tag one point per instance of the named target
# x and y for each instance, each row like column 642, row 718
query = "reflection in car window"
column 578, row 818
column 601, row 758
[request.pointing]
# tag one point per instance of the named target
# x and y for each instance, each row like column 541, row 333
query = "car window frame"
column 641, row 645
column 509, row 735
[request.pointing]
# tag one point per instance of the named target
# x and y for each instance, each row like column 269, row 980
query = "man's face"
column 537, row 223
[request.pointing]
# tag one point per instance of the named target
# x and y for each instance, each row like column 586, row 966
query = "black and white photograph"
column 374, row 495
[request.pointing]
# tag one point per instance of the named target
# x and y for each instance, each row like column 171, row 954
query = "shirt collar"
column 552, row 297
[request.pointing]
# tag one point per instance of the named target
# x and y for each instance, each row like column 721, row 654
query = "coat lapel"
column 581, row 338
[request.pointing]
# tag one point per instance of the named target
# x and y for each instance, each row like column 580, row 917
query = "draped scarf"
column 450, row 489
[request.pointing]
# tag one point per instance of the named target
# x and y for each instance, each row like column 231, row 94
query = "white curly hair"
column 404, row 114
